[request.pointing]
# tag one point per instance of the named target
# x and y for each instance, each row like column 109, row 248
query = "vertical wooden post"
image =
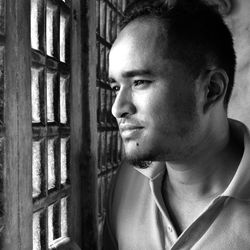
column 83, row 230
column 90, row 219
column 18, row 179
column 76, row 125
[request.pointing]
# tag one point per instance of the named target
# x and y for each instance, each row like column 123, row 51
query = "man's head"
column 170, row 67
column 196, row 32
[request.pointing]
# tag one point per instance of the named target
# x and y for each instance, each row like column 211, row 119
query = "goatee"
column 141, row 164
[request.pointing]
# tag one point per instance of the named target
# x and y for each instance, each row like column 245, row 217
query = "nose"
column 123, row 105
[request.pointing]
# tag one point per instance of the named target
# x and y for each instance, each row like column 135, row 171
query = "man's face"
column 156, row 102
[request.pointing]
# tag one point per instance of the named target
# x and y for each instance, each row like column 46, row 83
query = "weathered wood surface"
column 76, row 137
column 18, row 182
column 83, row 126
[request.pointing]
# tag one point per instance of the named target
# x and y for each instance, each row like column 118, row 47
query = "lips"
column 129, row 130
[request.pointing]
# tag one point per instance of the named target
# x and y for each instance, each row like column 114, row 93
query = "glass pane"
column 102, row 18
column 102, row 62
column 109, row 148
column 37, row 169
column 36, row 116
column 52, row 97
column 37, row 24
column 64, row 98
column 52, row 30
column 64, row 160
column 108, row 24
column 39, row 231
column 64, row 36
column 54, row 231
column 108, row 106
column 64, row 217
column 37, row 94
column 51, row 164
column 114, row 23
column 50, row 225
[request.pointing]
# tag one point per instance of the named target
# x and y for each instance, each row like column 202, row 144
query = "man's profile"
column 185, row 181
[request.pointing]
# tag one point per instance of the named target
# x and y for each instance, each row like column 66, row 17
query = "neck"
column 209, row 171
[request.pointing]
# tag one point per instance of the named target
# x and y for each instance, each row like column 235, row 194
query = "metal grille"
column 108, row 14
column 2, row 134
column 50, row 89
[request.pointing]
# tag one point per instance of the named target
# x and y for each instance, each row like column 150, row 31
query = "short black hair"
column 197, row 34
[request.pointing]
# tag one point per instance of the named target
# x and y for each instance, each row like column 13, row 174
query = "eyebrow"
column 133, row 73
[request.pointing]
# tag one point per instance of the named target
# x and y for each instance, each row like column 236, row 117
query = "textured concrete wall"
column 239, row 23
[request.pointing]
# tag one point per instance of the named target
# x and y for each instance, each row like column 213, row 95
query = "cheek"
column 154, row 108
column 183, row 103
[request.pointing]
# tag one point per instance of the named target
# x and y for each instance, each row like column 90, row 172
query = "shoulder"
column 127, row 187
column 125, row 182
column 237, row 214
column 122, row 195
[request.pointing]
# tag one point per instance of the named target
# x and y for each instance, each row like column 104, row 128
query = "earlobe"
column 217, row 82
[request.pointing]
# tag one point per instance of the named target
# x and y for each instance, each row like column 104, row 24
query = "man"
column 185, row 183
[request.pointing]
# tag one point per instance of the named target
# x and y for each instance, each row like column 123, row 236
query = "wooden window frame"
column 18, row 129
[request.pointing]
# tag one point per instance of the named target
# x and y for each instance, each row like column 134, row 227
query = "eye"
column 138, row 83
column 115, row 88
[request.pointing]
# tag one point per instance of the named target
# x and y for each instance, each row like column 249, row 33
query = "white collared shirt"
column 138, row 219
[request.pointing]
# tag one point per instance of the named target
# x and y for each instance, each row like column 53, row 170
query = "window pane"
column 52, row 30
column 51, row 164
column 64, row 160
column 64, row 217
column 52, row 97
column 37, row 24
column 64, row 36
column 37, row 94
column 54, row 231
column 64, row 99
column 37, row 169
column 39, row 230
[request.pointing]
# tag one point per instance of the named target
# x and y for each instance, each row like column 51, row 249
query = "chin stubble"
column 141, row 164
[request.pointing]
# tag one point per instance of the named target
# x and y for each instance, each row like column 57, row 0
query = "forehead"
column 142, row 43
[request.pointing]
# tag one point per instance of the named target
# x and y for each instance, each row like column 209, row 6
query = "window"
column 50, row 99
column 47, row 172
column 108, row 16
column 59, row 144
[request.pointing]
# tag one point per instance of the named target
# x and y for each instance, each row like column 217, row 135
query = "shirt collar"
column 239, row 186
column 155, row 170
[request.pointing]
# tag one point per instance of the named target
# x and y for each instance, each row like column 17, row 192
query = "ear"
column 216, row 87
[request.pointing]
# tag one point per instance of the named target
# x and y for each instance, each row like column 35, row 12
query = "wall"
column 239, row 22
